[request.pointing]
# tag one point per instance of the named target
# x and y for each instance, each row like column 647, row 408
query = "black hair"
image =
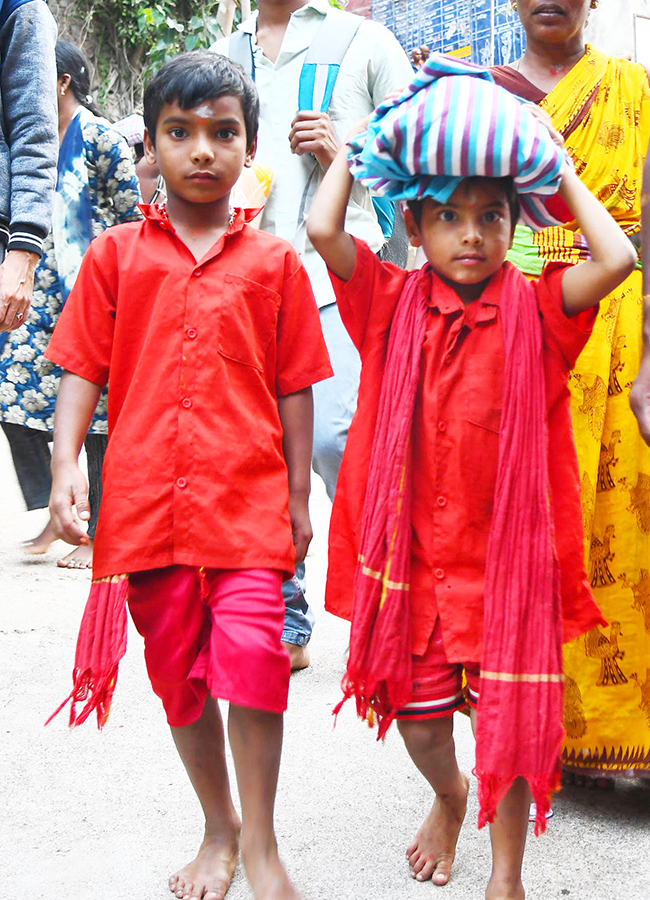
column 194, row 77
column 71, row 61
column 507, row 184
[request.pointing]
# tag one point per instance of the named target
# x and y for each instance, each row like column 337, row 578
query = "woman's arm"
column 297, row 417
column 326, row 222
column 75, row 404
column 640, row 393
column 612, row 255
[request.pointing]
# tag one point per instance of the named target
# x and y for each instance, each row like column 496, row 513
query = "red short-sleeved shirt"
column 455, row 451
column 198, row 354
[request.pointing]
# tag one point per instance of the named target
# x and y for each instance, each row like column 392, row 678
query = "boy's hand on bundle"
column 69, row 491
column 313, row 132
column 358, row 127
column 301, row 530
column 542, row 116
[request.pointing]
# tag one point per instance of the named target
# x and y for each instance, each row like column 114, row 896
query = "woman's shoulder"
column 94, row 127
column 626, row 68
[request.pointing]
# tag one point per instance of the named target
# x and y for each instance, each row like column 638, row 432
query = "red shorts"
column 438, row 684
column 213, row 631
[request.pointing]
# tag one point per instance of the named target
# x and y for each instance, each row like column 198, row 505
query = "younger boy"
column 421, row 481
column 211, row 339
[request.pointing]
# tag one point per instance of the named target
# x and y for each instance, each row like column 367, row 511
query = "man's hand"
column 312, row 132
column 69, row 489
column 16, row 286
column 300, row 524
column 640, row 398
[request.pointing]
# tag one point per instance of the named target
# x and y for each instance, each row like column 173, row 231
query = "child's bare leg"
column 256, row 743
column 508, row 837
column 430, row 744
column 202, row 749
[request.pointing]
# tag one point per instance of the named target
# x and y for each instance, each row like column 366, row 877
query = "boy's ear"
column 149, row 149
column 412, row 229
column 250, row 154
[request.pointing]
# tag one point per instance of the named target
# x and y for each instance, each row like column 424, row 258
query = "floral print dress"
column 28, row 381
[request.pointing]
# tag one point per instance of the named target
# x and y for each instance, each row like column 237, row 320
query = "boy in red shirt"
column 209, row 333
column 464, row 373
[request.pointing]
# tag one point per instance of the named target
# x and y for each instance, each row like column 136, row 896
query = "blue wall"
column 458, row 26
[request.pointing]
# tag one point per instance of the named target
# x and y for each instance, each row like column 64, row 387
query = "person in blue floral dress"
column 97, row 186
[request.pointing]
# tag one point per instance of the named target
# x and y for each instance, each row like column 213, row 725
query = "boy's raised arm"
column 612, row 255
column 297, row 417
column 326, row 222
column 75, row 405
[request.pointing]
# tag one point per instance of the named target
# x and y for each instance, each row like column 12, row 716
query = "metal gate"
column 487, row 32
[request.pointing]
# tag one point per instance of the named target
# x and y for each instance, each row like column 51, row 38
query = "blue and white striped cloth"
column 452, row 122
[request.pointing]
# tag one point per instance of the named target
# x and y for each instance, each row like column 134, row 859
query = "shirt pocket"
column 249, row 314
column 482, row 393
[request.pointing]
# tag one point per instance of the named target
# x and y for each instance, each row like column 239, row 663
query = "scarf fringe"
column 378, row 705
column 101, row 644
column 98, row 695
column 493, row 788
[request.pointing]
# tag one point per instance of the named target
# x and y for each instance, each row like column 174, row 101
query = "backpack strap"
column 323, row 60
column 240, row 49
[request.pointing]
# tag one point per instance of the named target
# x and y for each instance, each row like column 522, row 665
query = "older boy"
column 443, row 337
column 211, row 339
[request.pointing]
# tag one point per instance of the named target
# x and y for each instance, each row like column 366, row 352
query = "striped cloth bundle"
column 452, row 122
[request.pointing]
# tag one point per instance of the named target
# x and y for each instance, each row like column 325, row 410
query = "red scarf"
column 100, row 647
column 519, row 729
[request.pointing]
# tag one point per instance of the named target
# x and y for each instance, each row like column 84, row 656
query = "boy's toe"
column 440, row 872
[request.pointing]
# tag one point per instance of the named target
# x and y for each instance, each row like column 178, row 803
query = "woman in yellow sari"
column 601, row 106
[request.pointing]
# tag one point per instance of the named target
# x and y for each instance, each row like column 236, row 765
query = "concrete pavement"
column 109, row 815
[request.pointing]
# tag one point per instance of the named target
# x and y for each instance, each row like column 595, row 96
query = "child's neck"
column 467, row 292
column 199, row 225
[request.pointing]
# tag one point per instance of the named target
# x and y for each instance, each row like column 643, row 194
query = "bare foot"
column 80, row 558
column 41, row 542
column 432, row 852
column 504, row 890
column 208, row 876
column 267, row 876
column 298, row 655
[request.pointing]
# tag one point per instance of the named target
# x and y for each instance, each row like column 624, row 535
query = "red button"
column 442, row 427
column 440, row 574
column 447, row 359
column 187, row 403
column 441, row 501
column 191, row 333
column 181, row 483
column 197, row 273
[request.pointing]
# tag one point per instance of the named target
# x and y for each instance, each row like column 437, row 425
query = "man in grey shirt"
column 28, row 149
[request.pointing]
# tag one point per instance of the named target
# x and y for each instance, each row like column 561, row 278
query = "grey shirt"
column 29, row 136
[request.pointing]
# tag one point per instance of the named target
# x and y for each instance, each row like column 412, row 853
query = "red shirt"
column 455, row 450
column 198, row 354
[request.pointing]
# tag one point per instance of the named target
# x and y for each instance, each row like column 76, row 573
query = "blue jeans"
column 335, row 401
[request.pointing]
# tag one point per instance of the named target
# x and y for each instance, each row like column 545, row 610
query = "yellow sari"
column 602, row 106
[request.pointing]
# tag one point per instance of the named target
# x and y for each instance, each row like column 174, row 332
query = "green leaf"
column 191, row 41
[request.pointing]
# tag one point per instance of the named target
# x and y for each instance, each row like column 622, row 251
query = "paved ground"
column 108, row 816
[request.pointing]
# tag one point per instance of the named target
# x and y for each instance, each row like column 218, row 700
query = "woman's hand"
column 16, row 286
column 640, row 397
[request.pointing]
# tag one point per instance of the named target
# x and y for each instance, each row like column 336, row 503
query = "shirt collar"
column 155, row 212
column 319, row 6
column 446, row 300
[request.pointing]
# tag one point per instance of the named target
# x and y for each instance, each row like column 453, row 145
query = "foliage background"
column 127, row 40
